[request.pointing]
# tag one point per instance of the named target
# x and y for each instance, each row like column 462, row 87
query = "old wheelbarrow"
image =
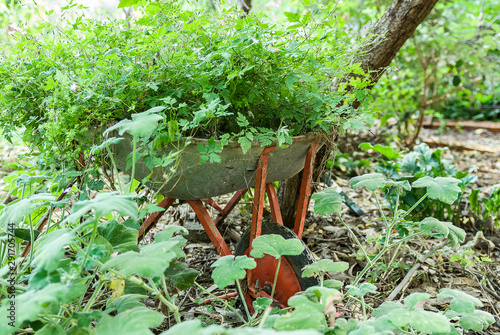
column 197, row 184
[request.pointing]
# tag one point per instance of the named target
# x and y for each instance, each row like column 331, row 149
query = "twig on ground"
column 406, row 280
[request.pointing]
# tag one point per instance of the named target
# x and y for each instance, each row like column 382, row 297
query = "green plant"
column 244, row 80
column 421, row 163
column 486, row 209
column 443, row 189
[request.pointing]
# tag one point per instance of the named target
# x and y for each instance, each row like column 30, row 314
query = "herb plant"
column 216, row 75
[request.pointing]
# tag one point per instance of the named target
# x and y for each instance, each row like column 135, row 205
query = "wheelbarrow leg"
column 260, row 190
column 154, row 217
column 230, row 205
column 210, row 228
column 273, row 203
column 305, row 190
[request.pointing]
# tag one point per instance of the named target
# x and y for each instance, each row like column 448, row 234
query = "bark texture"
column 389, row 34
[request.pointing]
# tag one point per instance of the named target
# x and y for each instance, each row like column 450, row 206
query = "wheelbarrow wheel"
column 290, row 280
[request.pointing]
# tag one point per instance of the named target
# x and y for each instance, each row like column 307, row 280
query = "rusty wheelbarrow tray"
column 192, row 180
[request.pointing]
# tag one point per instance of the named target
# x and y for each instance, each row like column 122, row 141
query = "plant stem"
column 89, row 246
column 134, row 153
column 243, row 300
column 110, row 154
column 94, row 296
column 265, row 316
column 413, row 207
column 225, row 303
column 381, row 253
column 370, row 262
column 275, row 278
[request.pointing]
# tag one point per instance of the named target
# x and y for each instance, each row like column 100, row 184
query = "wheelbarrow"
column 259, row 167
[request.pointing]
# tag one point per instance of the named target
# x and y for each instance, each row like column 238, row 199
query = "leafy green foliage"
column 230, row 268
column 327, row 202
column 324, row 265
column 104, row 204
column 137, row 320
column 151, row 260
column 276, row 246
column 444, row 189
column 178, row 77
column 428, row 172
column 387, row 151
column 455, row 234
column 371, row 181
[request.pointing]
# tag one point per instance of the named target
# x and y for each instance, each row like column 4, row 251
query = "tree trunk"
column 389, row 34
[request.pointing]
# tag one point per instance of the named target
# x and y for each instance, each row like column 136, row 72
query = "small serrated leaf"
column 444, row 189
column 276, row 246
column 476, row 321
column 371, row 181
column 325, row 265
column 229, row 268
column 413, row 299
column 327, row 202
column 461, row 302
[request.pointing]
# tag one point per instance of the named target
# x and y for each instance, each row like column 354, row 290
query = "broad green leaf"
column 304, row 302
column 461, row 302
column 151, row 260
column 135, row 321
column 142, row 124
column 333, row 283
column 327, row 202
column 444, row 189
column 122, row 239
column 404, row 184
column 412, row 300
column 455, row 234
column 371, row 181
column 104, row 204
column 361, row 290
column 25, row 234
column 326, row 296
column 126, row 302
column 386, row 308
column 380, row 326
column 15, row 212
column 387, row 151
column 399, row 317
column 50, row 249
column 229, row 268
column 301, row 318
column 476, row 320
column 429, row 322
column 325, row 265
column 107, row 143
column 344, row 327
column 195, row 327
column 276, row 246
column 182, row 276
column 168, row 232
